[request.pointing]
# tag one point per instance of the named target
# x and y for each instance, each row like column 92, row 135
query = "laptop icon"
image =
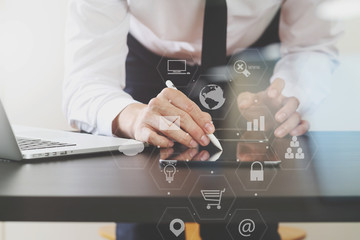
column 176, row 67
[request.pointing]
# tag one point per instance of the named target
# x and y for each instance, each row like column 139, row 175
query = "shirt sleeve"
column 309, row 55
column 96, row 50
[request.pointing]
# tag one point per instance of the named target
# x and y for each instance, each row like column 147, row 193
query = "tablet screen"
column 233, row 152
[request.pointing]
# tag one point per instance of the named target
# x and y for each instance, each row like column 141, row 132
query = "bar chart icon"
column 256, row 124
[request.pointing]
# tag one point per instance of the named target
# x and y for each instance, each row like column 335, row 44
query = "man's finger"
column 291, row 123
column 180, row 100
column 303, row 127
column 150, row 136
column 170, row 131
column 276, row 88
column 187, row 123
column 181, row 137
column 245, row 100
column 290, row 106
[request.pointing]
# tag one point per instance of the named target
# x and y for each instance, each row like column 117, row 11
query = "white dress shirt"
column 96, row 48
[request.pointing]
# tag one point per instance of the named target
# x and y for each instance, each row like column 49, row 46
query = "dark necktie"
column 214, row 34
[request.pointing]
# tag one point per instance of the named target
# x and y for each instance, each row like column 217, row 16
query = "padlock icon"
column 257, row 175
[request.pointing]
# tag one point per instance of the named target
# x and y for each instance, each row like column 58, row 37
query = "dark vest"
column 143, row 79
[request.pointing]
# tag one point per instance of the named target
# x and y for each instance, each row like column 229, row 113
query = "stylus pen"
column 212, row 137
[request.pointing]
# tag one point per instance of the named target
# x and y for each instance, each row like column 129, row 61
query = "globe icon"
column 212, row 97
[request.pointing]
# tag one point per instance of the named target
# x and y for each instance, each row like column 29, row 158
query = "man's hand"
column 283, row 108
column 141, row 121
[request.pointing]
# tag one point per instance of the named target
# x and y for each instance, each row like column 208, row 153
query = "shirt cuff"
column 309, row 96
column 108, row 113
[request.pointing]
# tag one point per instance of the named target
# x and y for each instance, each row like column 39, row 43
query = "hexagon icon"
column 254, row 173
column 213, row 94
column 179, row 71
column 169, row 174
column 295, row 152
column 257, row 122
column 212, row 197
column 247, row 67
column 247, row 224
column 172, row 224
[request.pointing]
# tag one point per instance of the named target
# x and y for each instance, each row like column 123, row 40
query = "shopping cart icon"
column 213, row 197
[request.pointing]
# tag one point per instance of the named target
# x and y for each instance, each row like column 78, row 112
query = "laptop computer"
column 37, row 143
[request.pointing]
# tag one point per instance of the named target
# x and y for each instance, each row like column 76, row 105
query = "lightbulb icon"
column 169, row 171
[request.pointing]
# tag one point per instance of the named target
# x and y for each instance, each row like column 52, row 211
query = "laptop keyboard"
column 34, row 144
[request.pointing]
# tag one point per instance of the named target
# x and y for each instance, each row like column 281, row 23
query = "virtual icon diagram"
column 299, row 154
column 246, row 227
column 169, row 123
column 257, row 175
column 213, row 197
column 247, row 224
column 176, row 67
column 247, row 67
column 212, row 97
column 179, row 229
column 169, row 171
column 289, row 154
column 171, row 225
column 240, row 66
column 294, row 144
column 256, row 124
column 167, row 175
column 296, row 152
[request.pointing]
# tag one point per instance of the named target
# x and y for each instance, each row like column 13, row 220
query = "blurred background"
column 31, row 75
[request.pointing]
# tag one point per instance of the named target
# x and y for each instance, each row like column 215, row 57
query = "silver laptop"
column 36, row 143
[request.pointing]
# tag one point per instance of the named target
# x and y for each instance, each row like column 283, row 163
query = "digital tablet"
column 234, row 153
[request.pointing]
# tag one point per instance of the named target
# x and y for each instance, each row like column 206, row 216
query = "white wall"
column 31, row 73
column 340, row 111
column 31, row 61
